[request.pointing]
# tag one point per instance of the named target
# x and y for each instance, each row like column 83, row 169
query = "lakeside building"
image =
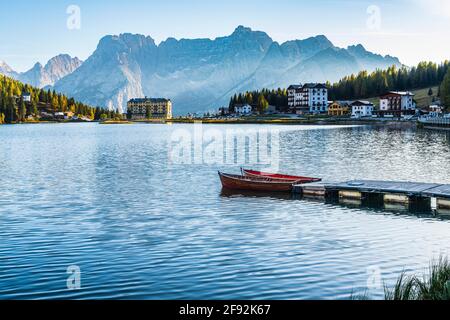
column 434, row 111
column 295, row 95
column 361, row 108
column 309, row 98
column 397, row 104
column 223, row 111
column 59, row 115
column 339, row 108
column 149, row 108
column 244, row 109
column 26, row 97
column 271, row 110
column 63, row 115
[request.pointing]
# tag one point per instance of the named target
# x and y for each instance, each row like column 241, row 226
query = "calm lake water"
column 110, row 200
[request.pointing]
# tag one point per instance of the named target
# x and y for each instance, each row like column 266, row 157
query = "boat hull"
column 233, row 182
column 296, row 179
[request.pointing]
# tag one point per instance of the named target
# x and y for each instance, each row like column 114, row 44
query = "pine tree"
column 249, row 98
column 445, row 91
column 15, row 109
column 34, row 109
column 262, row 103
column 55, row 102
column 362, row 85
column 22, row 111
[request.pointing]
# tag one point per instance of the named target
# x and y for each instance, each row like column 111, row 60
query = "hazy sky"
column 412, row 30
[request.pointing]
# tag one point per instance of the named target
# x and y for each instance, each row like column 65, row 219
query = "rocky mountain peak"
column 63, row 59
column 359, row 48
column 372, row 60
column 37, row 66
column 40, row 76
column 200, row 74
column 125, row 40
column 6, row 70
column 240, row 30
column 5, row 66
column 320, row 42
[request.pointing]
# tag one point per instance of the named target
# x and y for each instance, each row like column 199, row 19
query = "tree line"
column 261, row 99
column 445, row 91
column 14, row 108
column 365, row 85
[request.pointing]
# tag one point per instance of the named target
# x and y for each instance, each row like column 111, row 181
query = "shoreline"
column 284, row 121
column 324, row 122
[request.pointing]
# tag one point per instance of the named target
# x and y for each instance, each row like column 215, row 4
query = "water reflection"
column 227, row 193
column 107, row 198
column 447, row 135
column 419, row 211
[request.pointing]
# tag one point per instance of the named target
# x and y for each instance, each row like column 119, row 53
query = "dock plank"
column 414, row 189
column 370, row 186
column 299, row 188
column 442, row 191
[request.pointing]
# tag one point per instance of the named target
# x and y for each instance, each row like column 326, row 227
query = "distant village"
column 46, row 112
column 309, row 99
column 312, row 99
column 137, row 109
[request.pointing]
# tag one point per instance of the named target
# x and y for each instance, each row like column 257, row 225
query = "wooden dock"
column 435, row 123
column 312, row 190
column 388, row 192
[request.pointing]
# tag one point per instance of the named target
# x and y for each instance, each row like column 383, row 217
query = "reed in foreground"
column 432, row 286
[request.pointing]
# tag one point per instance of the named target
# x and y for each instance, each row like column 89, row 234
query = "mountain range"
column 44, row 76
column 198, row 74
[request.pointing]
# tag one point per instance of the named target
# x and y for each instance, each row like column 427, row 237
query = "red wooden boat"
column 260, row 183
column 238, row 182
column 296, row 179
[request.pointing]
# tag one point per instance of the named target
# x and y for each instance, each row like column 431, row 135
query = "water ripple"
column 108, row 200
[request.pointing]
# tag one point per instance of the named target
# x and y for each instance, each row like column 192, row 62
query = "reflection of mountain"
column 42, row 76
column 201, row 74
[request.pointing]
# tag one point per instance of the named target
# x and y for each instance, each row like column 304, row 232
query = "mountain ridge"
column 44, row 76
column 201, row 74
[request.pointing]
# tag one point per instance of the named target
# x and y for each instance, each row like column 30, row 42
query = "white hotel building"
column 397, row 104
column 361, row 109
column 309, row 98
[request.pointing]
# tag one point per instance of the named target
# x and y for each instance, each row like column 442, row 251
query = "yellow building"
column 149, row 108
column 338, row 109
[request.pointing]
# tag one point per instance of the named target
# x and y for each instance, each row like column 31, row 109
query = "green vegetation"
column 262, row 99
column 433, row 286
column 14, row 108
column 263, row 104
column 421, row 96
column 364, row 85
column 445, row 91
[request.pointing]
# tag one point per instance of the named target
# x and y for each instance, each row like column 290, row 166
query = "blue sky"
column 413, row 30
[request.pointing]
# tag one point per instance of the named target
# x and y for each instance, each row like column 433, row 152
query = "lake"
column 111, row 201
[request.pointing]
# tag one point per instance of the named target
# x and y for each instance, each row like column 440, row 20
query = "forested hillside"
column 14, row 108
column 362, row 85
